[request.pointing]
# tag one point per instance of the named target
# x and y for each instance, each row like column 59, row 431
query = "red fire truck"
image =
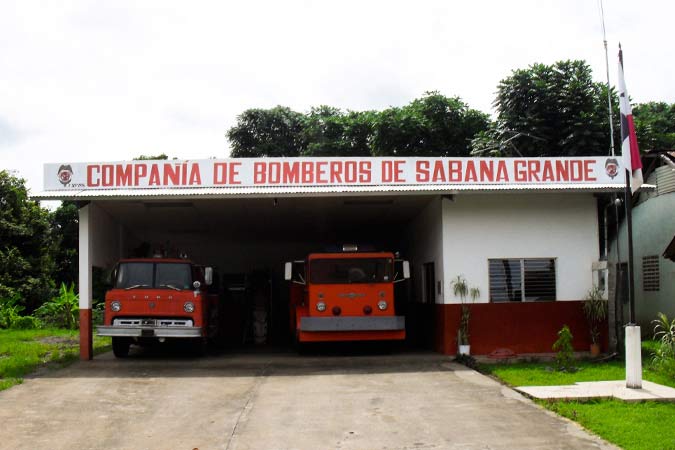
column 154, row 299
column 346, row 296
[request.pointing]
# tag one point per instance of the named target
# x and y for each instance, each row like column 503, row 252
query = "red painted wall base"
column 529, row 327
column 86, row 339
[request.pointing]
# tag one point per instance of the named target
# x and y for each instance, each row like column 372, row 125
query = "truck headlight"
column 320, row 306
column 382, row 305
column 189, row 307
column 115, row 306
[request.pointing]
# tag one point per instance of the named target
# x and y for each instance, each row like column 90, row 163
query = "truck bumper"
column 386, row 323
column 150, row 332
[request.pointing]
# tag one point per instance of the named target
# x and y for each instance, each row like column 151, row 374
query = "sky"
column 85, row 81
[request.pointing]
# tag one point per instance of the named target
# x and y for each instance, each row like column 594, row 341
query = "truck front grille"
column 141, row 322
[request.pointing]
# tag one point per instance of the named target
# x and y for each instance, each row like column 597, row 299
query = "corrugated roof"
column 281, row 191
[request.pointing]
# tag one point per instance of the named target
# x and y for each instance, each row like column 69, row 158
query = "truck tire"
column 120, row 347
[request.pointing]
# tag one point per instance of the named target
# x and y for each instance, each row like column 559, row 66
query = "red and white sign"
column 275, row 172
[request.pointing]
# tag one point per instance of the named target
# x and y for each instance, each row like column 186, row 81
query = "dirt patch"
column 59, row 340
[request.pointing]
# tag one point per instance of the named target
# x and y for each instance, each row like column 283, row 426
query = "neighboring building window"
column 650, row 273
column 522, row 280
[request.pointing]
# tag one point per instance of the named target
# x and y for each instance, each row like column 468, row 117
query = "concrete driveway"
column 276, row 401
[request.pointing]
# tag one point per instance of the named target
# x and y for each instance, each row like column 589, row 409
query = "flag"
column 629, row 145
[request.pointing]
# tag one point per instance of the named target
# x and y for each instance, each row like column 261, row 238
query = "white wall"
column 562, row 226
column 426, row 245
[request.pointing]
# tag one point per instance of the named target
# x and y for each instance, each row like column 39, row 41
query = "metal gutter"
column 318, row 191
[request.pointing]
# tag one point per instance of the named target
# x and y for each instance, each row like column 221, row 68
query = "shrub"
column 10, row 310
column 61, row 311
column 664, row 333
column 564, row 359
column 26, row 323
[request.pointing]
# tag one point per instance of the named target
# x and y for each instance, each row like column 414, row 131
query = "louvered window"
column 522, row 280
column 650, row 273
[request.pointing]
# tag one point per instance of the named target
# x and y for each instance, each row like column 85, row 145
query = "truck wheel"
column 120, row 347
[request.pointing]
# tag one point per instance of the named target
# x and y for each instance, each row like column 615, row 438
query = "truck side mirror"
column 288, row 271
column 208, row 276
column 406, row 269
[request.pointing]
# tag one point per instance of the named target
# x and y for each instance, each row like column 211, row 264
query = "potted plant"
column 461, row 289
column 595, row 310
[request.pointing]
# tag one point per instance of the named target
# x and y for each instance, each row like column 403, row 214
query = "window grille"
column 650, row 274
column 522, row 280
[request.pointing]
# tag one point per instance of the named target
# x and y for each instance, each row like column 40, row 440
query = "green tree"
column 26, row 245
column 267, row 132
column 549, row 110
column 433, row 125
column 330, row 132
column 655, row 126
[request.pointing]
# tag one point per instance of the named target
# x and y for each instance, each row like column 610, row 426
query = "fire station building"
column 524, row 233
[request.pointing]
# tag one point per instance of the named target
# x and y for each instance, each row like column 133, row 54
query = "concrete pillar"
column 85, row 260
column 633, row 358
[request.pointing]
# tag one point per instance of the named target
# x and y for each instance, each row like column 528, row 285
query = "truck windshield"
column 346, row 271
column 133, row 275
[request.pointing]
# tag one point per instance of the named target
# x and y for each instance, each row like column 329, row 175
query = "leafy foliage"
column 62, row 311
column 655, row 125
column 330, row 132
column 26, row 245
column 549, row 110
column 268, row 132
column 10, row 315
column 10, row 311
column 664, row 355
column 564, row 359
column 433, row 125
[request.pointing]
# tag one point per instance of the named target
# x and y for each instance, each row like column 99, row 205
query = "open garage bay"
column 247, row 240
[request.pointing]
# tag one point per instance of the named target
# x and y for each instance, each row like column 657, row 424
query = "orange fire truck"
column 154, row 299
column 345, row 296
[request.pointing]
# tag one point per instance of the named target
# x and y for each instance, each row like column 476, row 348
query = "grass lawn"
column 541, row 374
column 647, row 425
column 24, row 351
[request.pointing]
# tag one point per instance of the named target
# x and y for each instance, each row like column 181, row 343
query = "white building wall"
column 426, row 245
column 480, row 227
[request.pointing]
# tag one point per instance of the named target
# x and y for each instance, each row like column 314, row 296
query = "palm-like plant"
column 595, row 310
column 461, row 289
column 664, row 331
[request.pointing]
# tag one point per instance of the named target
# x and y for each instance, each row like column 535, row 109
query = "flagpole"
column 617, row 305
column 609, row 89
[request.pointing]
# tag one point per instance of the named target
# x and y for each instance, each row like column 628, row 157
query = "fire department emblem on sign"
column 612, row 167
column 65, row 174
